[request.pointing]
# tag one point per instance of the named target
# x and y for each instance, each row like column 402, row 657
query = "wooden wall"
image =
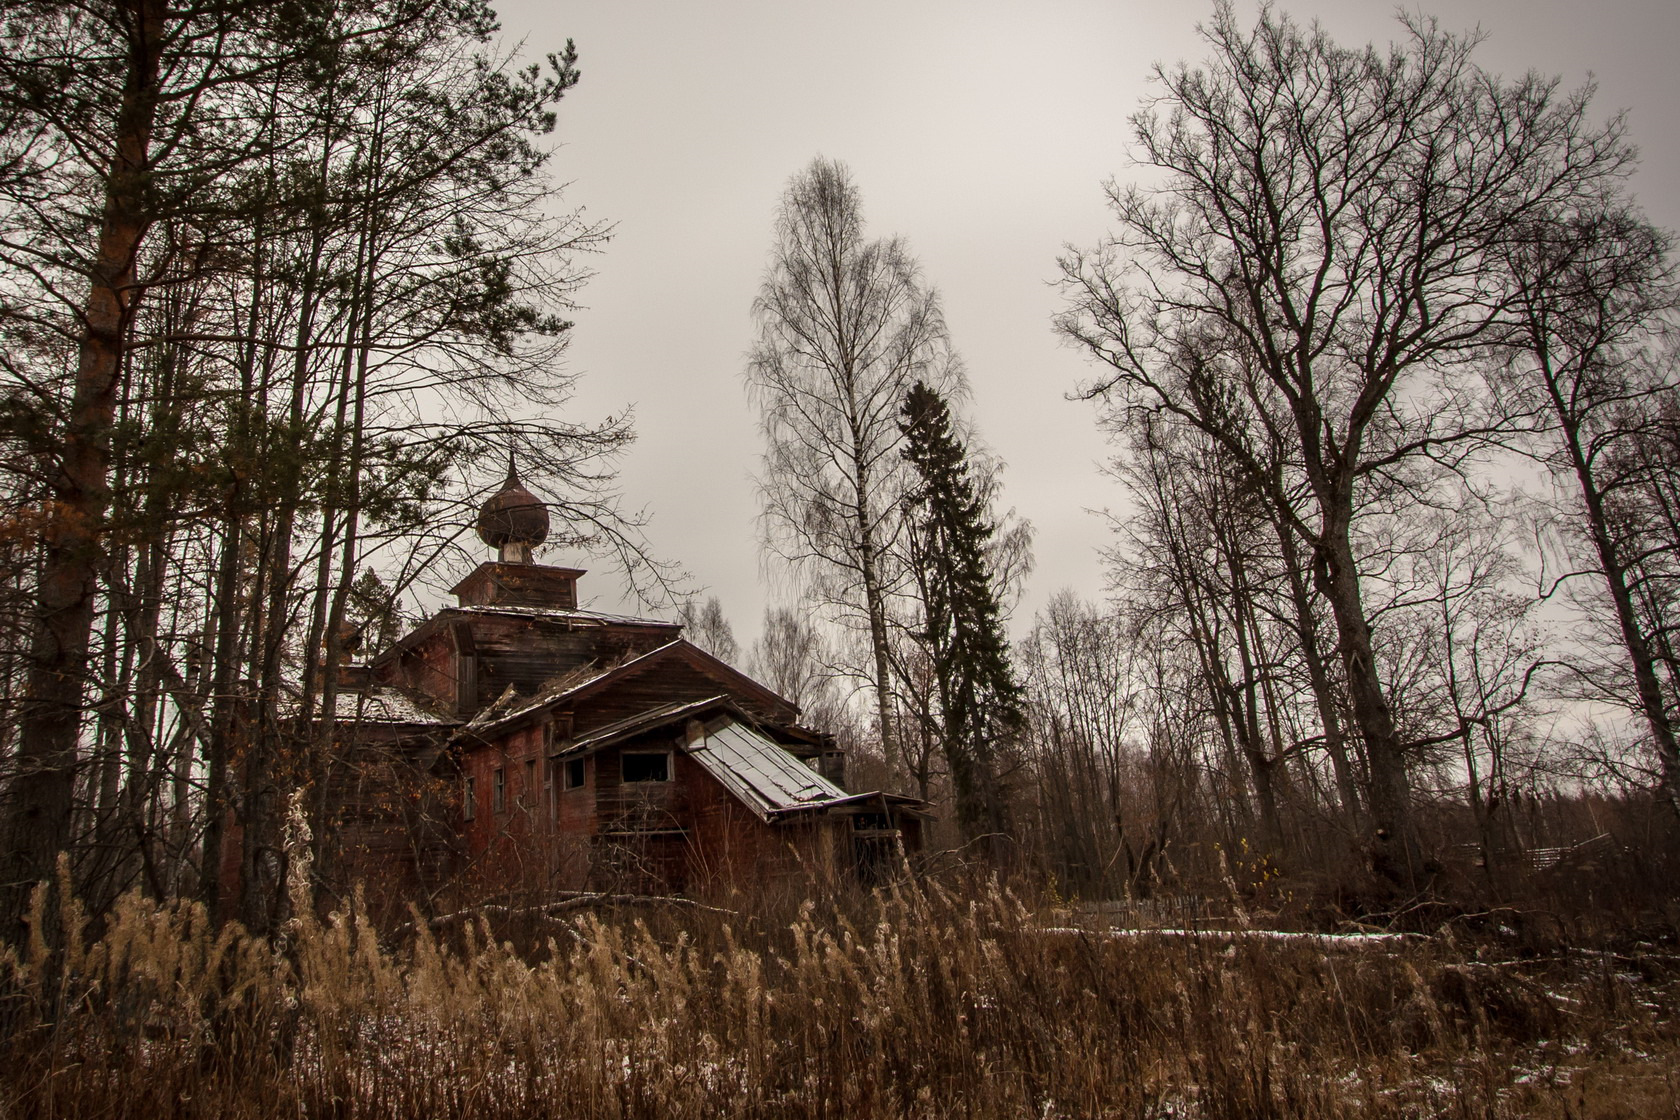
column 683, row 834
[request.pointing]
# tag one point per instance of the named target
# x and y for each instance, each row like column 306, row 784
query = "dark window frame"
column 665, row 768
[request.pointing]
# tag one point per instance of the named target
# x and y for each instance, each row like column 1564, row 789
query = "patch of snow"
column 1285, row 936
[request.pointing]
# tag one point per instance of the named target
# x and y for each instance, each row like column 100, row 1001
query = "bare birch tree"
column 845, row 327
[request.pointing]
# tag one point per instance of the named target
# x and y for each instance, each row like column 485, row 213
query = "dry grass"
column 919, row 1003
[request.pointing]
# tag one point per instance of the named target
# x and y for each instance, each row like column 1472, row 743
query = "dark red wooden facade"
column 515, row 745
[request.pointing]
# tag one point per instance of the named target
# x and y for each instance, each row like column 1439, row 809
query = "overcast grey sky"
column 982, row 133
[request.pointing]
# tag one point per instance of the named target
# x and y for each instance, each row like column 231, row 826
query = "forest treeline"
column 1382, row 341
column 1384, row 347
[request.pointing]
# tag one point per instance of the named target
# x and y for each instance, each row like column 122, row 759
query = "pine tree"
column 980, row 700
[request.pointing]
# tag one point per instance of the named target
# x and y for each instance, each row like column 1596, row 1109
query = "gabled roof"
column 737, row 682
column 715, row 667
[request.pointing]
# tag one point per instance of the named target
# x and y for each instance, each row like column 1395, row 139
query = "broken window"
column 574, row 773
column 646, row 766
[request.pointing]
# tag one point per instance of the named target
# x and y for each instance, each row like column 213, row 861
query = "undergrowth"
column 918, row 1002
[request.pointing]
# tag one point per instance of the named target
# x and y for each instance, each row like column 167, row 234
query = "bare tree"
column 846, row 326
column 791, row 657
column 707, row 628
column 1078, row 667
column 1318, row 271
column 1593, row 290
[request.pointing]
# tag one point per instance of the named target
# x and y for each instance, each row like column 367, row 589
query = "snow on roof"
column 761, row 772
column 568, row 614
column 511, row 705
column 384, row 706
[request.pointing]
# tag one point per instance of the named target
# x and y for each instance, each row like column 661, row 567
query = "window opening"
column 574, row 773
column 646, row 766
column 469, row 800
column 498, row 791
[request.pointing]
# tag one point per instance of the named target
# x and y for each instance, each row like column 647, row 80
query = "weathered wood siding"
column 506, row 839
column 528, row 652
column 522, row 651
column 686, row 833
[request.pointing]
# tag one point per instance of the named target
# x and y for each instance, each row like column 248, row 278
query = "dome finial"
column 513, row 521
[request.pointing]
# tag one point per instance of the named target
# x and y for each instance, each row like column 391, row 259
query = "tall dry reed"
column 919, row 1002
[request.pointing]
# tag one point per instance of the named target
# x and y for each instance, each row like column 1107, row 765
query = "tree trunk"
column 38, row 821
column 1318, row 676
column 1638, row 648
column 875, row 605
column 1395, row 851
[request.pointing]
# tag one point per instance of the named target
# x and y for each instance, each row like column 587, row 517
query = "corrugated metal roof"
column 761, row 772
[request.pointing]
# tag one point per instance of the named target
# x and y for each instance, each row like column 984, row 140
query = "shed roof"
column 760, row 771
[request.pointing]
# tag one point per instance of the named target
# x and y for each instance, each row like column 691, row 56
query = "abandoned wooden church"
column 515, row 744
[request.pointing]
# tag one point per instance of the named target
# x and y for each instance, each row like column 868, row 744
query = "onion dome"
column 514, row 520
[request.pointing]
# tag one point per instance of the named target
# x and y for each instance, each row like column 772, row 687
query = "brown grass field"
column 924, row 1002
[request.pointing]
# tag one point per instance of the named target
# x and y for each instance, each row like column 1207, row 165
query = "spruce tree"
column 962, row 617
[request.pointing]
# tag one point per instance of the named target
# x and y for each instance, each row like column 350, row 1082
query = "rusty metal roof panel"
column 760, row 771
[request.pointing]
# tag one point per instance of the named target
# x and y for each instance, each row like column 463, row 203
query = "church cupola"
column 514, row 521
